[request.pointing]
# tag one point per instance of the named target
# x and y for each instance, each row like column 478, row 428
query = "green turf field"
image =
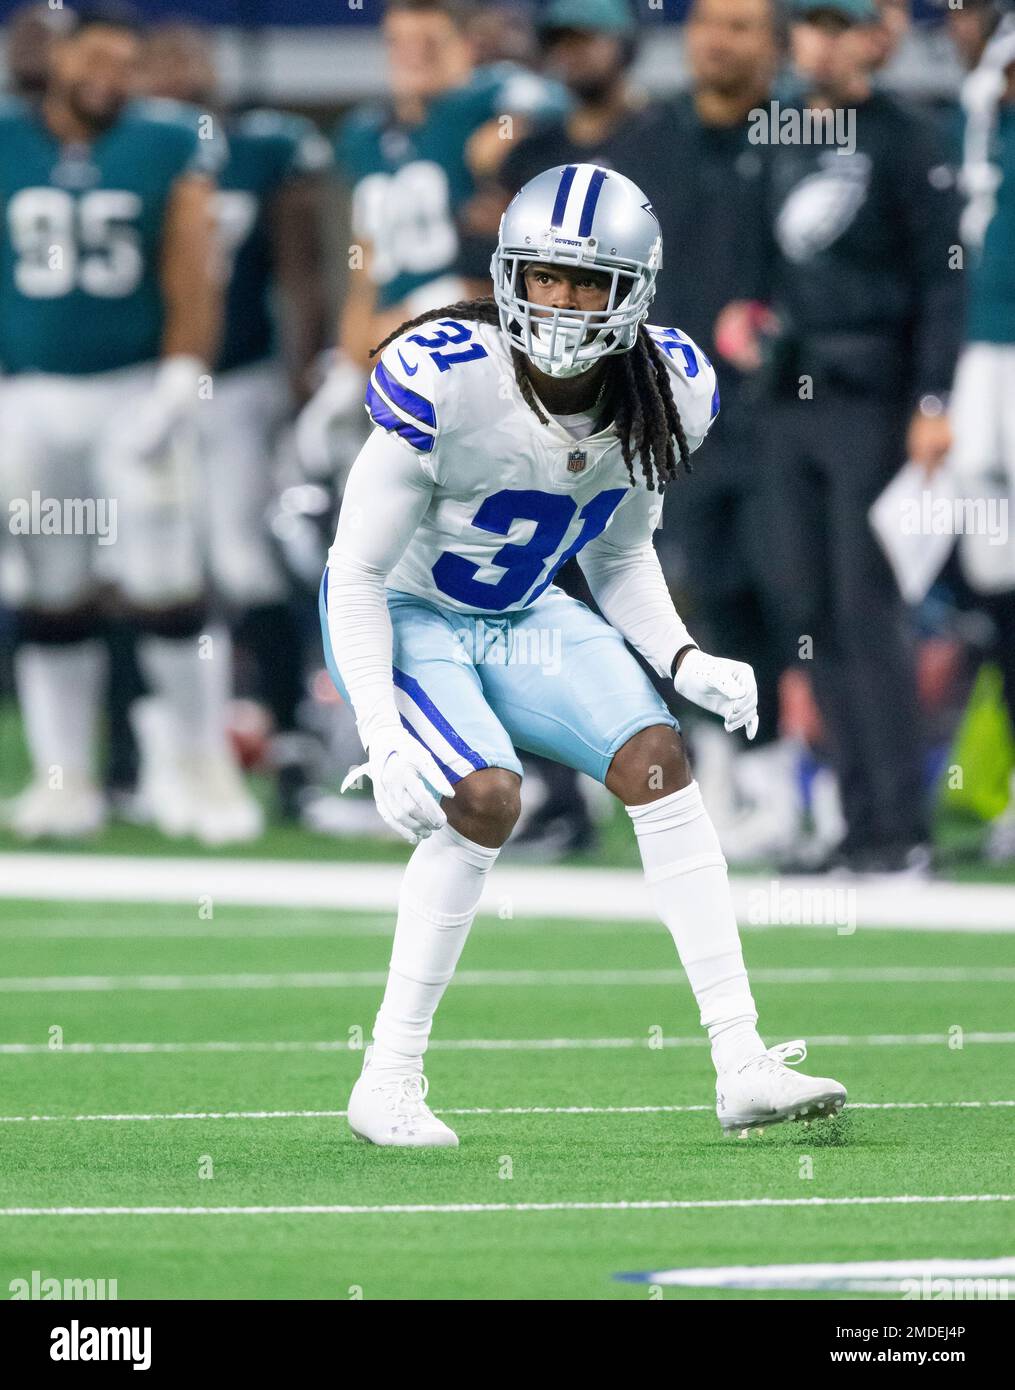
column 136, row 1128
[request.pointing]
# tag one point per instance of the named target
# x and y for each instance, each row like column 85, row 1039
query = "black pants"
column 824, row 463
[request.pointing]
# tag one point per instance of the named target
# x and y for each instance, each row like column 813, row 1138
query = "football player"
column 268, row 207
column 510, row 435
column 109, row 316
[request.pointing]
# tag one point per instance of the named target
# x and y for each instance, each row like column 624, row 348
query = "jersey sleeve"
column 692, row 381
column 353, row 139
column 409, row 396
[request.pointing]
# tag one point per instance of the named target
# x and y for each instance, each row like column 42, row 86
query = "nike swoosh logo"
column 409, row 371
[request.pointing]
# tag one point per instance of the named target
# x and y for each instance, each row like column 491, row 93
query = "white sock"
column 195, row 688
column 686, row 872
column 440, row 893
column 58, row 690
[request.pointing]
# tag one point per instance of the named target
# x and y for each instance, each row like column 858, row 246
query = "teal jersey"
column 992, row 271
column 409, row 182
column 265, row 150
column 81, row 237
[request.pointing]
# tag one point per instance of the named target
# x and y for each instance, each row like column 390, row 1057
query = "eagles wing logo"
column 576, row 460
column 821, row 207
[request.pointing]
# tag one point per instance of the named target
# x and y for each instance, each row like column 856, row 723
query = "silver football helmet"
column 577, row 215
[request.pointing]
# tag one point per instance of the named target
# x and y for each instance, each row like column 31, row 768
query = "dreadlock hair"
column 644, row 411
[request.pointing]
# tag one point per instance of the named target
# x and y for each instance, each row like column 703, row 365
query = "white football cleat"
column 390, row 1108
column 75, row 811
column 764, row 1091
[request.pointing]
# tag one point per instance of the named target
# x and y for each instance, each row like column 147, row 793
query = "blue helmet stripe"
column 563, row 193
column 591, row 199
column 415, row 405
column 382, row 414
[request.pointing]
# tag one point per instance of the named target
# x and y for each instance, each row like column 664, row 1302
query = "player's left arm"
column 929, row 209
column 296, row 216
column 190, row 278
column 628, row 584
column 192, row 318
column 297, row 228
column 626, row 578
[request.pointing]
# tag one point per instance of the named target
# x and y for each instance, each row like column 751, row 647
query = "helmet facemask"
column 567, row 342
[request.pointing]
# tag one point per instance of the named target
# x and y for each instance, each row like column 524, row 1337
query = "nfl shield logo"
column 576, row 460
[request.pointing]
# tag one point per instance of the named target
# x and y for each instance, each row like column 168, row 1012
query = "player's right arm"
column 386, row 497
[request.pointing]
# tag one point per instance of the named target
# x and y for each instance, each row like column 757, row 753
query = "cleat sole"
column 822, row 1109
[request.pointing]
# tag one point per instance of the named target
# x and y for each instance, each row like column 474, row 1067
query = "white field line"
column 858, row 1276
column 287, row 925
column 283, row 926
column 372, row 979
column 76, row 1049
column 512, row 890
column 472, row 1208
column 483, row 1110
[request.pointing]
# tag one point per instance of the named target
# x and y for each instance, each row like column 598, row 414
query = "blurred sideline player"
column 853, row 366
column 510, row 435
column 983, row 400
column 411, row 163
column 109, row 317
column 270, row 221
column 590, row 46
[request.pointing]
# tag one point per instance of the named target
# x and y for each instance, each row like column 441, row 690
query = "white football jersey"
column 513, row 498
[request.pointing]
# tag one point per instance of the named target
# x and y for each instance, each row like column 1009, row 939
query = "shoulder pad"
column 12, row 110
column 302, row 145
column 416, row 389
column 692, row 380
column 198, row 139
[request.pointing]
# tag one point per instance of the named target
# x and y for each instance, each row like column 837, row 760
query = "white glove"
column 328, row 422
column 724, row 687
column 147, row 426
column 407, row 784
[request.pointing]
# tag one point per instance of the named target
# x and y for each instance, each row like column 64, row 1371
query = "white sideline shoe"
column 224, row 812
column 1000, row 847
column 75, row 811
column 390, row 1108
column 181, row 795
column 764, row 1091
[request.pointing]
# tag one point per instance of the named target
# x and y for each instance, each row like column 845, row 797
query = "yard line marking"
column 533, row 890
column 470, row 1208
column 371, row 979
column 858, row 1276
column 490, row 1044
column 488, row 1110
column 287, row 926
